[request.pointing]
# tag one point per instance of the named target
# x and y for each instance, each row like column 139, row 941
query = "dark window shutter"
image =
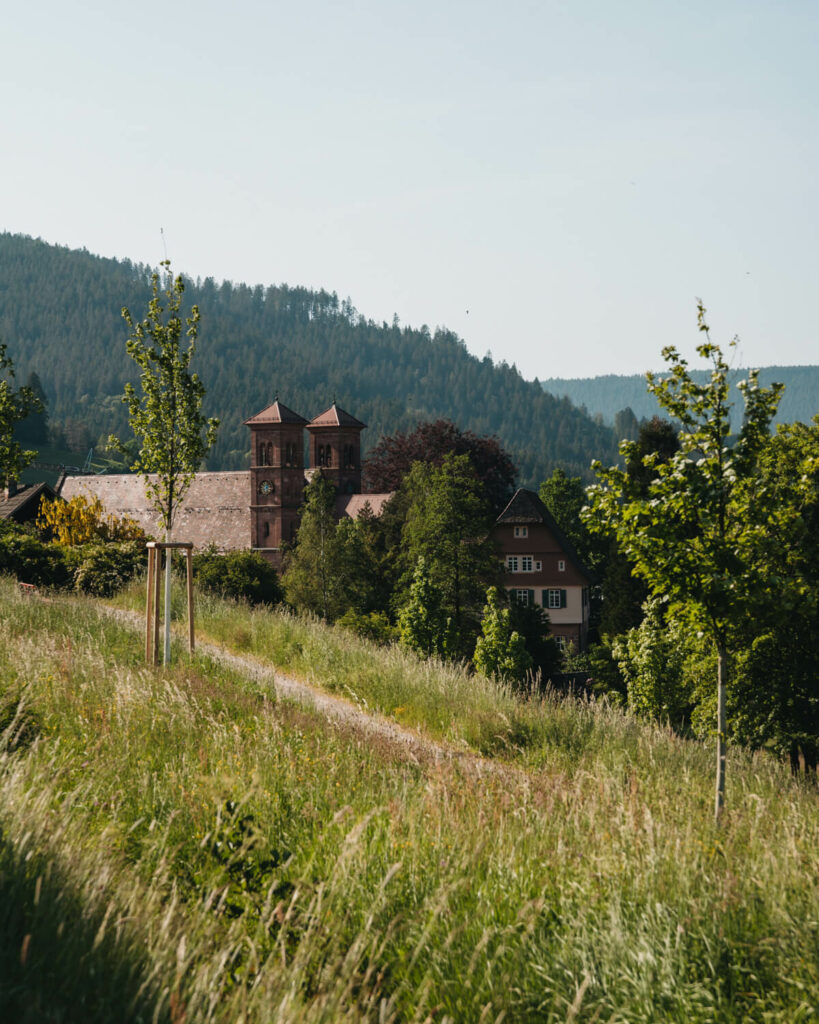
column 531, row 598
column 562, row 598
column 544, row 598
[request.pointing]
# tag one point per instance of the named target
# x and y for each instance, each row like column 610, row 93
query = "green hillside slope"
column 192, row 845
column 609, row 394
column 60, row 315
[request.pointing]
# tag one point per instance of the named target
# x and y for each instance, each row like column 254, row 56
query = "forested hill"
column 606, row 396
column 60, row 317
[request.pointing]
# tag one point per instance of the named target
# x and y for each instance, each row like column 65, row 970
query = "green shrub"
column 238, row 574
column 104, row 569
column 30, row 560
column 373, row 626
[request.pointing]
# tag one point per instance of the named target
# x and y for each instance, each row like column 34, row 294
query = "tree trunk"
column 166, row 660
column 722, row 672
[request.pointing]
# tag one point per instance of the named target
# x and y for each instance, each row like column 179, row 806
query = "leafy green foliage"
column 701, row 531
column 531, row 621
column 318, row 570
column 27, row 558
column 392, row 458
column 423, row 625
column 448, row 525
column 15, row 405
column 652, row 660
column 244, row 575
column 500, row 651
column 374, row 626
column 103, row 569
column 167, row 417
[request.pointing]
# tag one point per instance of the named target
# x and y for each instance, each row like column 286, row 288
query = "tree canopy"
column 15, row 405
column 696, row 529
column 391, row 460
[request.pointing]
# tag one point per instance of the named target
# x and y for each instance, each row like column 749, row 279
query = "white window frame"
column 526, row 563
column 561, row 565
column 553, row 597
column 512, row 563
column 522, row 597
column 521, row 531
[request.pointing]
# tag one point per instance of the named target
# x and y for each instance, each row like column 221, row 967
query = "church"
column 257, row 508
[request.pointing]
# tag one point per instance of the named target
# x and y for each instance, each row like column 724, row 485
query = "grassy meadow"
column 180, row 846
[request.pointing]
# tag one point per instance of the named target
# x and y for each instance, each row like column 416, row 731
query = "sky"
column 557, row 182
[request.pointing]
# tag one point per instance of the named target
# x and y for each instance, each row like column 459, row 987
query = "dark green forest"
column 606, row 396
column 60, row 316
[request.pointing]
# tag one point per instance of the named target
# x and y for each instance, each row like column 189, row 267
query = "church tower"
column 335, row 448
column 276, row 478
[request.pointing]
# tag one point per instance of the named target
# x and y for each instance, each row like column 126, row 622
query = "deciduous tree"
column 392, row 458
column 693, row 531
column 166, row 415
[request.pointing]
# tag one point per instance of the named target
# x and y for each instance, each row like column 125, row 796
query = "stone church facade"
column 257, row 508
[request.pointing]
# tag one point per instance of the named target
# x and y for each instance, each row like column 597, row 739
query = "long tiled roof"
column 276, row 413
column 336, row 417
column 352, row 505
column 216, row 508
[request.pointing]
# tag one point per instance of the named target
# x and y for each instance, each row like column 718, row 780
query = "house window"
column 538, row 566
column 511, row 563
column 521, row 531
column 563, row 643
column 526, row 563
column 561, row 565
column 522, row 597
column 554, row 598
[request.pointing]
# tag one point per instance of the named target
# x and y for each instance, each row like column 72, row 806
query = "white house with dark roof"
column 541, row 567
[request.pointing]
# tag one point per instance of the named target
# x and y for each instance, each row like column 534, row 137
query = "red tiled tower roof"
column 337, row 417
column 275, row 413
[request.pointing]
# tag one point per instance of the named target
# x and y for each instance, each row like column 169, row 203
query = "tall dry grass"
column 207, row 853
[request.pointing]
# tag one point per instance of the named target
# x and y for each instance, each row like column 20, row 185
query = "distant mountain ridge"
column 60, row 316
column 607, row 395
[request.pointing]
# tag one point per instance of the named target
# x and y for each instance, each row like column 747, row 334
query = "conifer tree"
column 500, row 651
column 15, row 406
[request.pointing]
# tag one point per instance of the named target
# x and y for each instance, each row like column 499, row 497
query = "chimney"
column 10, row 489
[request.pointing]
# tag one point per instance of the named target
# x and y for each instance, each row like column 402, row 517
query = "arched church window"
column 260, row 460
column 329, row 456
column 320, row 454
column 269, row 453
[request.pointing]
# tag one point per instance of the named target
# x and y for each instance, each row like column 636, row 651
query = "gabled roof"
column 526, row 509
column 336, row 417
column 275, row 413
column 15, row 507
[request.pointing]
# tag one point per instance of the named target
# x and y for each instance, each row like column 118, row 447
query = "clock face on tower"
column 265, row 487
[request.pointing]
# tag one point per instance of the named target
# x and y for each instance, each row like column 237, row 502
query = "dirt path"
column 412, row 744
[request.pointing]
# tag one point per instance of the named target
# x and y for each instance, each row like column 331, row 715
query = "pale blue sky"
column 573, row 174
